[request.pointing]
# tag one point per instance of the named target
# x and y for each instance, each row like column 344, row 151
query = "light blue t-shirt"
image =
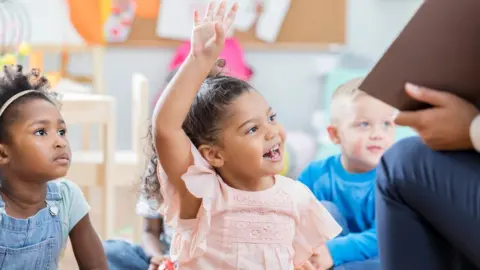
column 72, row 207
column 354, row 196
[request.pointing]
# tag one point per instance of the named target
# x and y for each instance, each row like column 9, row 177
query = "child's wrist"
column 204, row 63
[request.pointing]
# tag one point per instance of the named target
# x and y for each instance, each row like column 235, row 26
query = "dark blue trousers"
column 428, row 208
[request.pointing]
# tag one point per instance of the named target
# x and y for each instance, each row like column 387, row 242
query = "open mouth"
column 273, row 153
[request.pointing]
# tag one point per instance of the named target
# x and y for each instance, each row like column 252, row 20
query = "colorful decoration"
column 8, row 59
column 15, row 29
column 24, row 49
column 86, row 17
column 101, row 21
column 118, row 24
column 15, row 57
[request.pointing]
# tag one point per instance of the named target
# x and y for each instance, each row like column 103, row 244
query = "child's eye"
column 363, row 124
column 252, row 130
column 40, row 132
column 273, row 117
column 387, row 124
column 62, row 132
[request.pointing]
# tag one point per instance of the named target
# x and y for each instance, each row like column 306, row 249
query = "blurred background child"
column 363, row 129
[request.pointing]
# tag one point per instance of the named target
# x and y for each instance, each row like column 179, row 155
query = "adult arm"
column 475, row 133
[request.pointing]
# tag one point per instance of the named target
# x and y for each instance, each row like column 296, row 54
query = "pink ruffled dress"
column 277, row 228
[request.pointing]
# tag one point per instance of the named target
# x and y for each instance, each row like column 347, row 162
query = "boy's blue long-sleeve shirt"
column 353, row 194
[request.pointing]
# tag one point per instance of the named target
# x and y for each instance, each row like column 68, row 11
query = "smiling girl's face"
column 251, row 140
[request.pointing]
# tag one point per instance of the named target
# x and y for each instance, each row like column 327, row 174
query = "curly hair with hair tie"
column 15, row 82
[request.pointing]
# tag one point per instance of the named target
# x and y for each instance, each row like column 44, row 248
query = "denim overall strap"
column 2, row 208
column 52, row 198
column 34, row 242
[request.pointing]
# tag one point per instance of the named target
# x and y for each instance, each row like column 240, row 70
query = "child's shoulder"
column 296, row 190
column 67, row 187
column 291, row 185
column 323, row 163
column 319, row 167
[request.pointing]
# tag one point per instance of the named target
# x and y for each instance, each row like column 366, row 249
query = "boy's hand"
column 208, row 36
column 322, row 258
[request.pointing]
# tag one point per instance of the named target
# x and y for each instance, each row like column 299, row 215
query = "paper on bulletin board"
column 175, row 19
column 270, row 22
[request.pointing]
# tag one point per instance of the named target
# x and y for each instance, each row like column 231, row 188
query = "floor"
column 125, row 213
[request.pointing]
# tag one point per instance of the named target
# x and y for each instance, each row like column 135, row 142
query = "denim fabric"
column 35, row 242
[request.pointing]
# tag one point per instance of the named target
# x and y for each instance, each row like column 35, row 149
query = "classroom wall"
column 289, row 80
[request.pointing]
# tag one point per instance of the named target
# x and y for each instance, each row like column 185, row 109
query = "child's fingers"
column 221, row 11
column 228, row 21
column 209, row 13
column 196, row 18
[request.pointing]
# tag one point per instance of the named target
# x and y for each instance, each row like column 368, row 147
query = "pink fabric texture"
column 232, row 53
column 277, row 228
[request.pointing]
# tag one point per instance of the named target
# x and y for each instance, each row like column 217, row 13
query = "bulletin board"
column 309, row 24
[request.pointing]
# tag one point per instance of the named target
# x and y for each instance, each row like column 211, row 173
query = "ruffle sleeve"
column 315, row 225
column 189, row 238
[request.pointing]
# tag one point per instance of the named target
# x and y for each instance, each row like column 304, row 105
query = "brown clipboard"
column 439, row 48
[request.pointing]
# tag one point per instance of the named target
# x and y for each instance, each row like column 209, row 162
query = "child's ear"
column 333, row 134
column 4, row 156
column 212, row 155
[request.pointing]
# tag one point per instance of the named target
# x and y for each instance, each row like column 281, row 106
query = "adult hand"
column 445, row 126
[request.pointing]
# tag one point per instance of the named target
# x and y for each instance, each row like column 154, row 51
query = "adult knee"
column 407, row 160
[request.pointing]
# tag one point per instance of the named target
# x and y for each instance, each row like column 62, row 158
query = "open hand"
column 446, row 126
column 208, row 37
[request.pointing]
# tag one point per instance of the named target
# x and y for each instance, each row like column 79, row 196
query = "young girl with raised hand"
column 220, row 150
column 37, row 215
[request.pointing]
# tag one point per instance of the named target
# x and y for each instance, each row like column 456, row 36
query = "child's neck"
column 247, row 184
column 354, row 167
column 23, row 199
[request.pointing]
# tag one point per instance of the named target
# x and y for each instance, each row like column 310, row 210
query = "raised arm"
column 171, row 142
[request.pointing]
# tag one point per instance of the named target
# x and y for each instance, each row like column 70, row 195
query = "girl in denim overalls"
column 38, row 215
